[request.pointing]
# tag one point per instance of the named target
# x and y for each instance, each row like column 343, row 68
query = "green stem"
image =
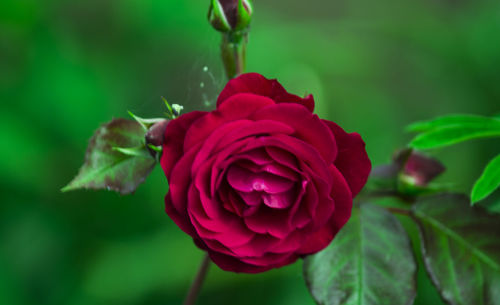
column 233, row 51
column 198, row 281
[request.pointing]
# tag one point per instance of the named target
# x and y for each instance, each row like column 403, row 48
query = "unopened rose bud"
column 155, row 135
column 230, row 15
column 418, row 168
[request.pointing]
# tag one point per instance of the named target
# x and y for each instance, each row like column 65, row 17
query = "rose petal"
column 258, row 128
column 252, row 198
column 280, row 200
column 303, row 151
column 179, row 181
column 246, row 181
column 174, row 139
column 258, row 84
column 208, row 147
column 283, row 157
column 230, row 263
column 269, row 221
column 308, row 127
column 342, row 197
column 352, row 160
column 276, row 259
column 237, row 107
column 180, row 220
column 228, row 230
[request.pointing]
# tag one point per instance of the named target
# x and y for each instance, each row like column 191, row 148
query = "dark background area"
column 68, row 66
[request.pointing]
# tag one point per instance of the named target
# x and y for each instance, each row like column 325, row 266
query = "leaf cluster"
column 372, row 261
column 453, row 129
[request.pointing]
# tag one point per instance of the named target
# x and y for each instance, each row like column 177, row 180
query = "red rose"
column 261, row 180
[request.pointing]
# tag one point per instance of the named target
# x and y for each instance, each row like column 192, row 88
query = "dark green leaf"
column 452, row 120
column 454, row 134
column 369, row 262
column 488, row 182
column 461, row 249
column 109, row 164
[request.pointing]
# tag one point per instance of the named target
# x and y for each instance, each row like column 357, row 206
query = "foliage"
column 461, row 249
column 453, row 129
column 116, row 159
column 369, row 262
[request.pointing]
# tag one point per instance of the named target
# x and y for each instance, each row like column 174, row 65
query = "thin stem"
column 195, row 288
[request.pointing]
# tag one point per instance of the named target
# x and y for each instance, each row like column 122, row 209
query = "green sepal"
column 217, row 17
column 145, row 123
column 244, row 15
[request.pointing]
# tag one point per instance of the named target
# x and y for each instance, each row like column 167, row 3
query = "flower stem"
column 195, row 288
column 233, row 51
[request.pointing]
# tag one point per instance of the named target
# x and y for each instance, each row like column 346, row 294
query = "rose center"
column 259, row 186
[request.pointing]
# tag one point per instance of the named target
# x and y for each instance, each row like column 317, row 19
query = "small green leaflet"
column 488, row 182
column 369, row 262
column 461, row 249
column 116, row 159
column 453, row 129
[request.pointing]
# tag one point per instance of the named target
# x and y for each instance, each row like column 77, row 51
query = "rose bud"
column 422, row 169
column 155, row 135
column 261, row 181
column 230, row 15
column 418, row 168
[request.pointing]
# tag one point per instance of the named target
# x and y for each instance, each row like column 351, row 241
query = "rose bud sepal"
column 230, row 15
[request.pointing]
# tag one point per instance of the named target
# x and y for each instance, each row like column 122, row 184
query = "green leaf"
column 108, row 165
column 461, row 249
column 452, row 120
column 369, row 262
column 454, row 134
column 488, row 182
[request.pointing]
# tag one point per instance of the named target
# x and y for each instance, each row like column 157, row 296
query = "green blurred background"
column 68, row 66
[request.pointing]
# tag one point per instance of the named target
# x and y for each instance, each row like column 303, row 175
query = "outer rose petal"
column 174, row 140
column 259, row 85
column 343, row 205
column 229, row 263
column 352, row 159
column 237, row 107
